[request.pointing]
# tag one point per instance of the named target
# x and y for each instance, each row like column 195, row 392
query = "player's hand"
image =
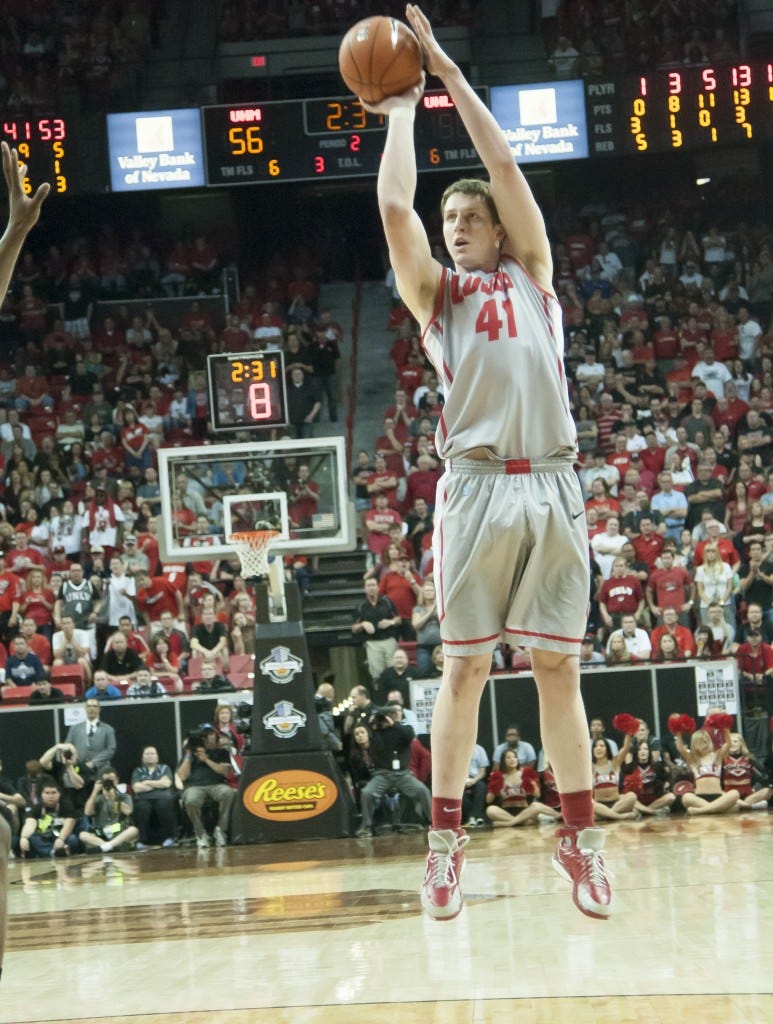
column 409, row 98
column 23, row 210
column 437, row 60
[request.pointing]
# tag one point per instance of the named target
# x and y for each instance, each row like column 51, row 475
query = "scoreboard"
column 683, row 109
column 680, row 110
column 318, row 139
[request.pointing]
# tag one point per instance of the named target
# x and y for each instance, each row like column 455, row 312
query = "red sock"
column 446, row 813
column 577, row 808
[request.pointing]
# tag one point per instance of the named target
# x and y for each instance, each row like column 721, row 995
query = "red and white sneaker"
column 441, row 891
column 579, row 859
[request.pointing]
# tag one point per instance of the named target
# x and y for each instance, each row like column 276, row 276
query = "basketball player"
column 23, row 212
column 510, row 548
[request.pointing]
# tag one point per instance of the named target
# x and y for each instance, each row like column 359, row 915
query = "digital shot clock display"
column 247, row 390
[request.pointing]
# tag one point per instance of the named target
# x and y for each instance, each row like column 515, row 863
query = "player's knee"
column 463, row 675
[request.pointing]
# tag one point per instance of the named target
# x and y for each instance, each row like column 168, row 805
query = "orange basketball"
column 379, row 57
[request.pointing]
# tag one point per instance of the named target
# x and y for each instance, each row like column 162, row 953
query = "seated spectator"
column 37, row 642
column 71, row 646
column 635, row 639
column 209, row 640
column 681, row 634
column 119, row 662
column 44, row 693
column 145, row 686
column 617, row 652
column 527, row 756
column 48, row 829
column 164, row 664
column 103, row 689
column 22, row 667
column 754, row 620
column 667, row 649
column 474, row 796
column 212, row 681
column 175, row 637
column 721, row 633
column 109, row 810
column 589, row 656
column 203, row 772
column 154, row 798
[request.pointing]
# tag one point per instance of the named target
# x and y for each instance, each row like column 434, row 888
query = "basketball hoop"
column 252, row 548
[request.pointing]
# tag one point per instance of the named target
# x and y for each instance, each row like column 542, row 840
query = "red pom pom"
column 530, row 780
column 632, row 783
column 496, row 781
column 625, row 723
column 719, row 721
column 688, row 723
column 676, row 723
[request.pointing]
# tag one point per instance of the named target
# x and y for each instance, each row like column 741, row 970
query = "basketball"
column 379, row 57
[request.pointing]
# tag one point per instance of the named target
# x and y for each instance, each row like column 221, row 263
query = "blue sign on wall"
column 542, row 122
column 155, row 149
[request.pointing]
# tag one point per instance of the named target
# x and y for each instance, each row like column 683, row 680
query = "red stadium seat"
column 69, row 674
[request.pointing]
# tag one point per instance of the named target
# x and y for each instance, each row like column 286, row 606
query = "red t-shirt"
column 177, row 574
column 399, row 591
column 34, row 606
column 379, row 542
column 682, row 635
column 621, row 594
column 159, row 597
column 754, row 665
column 669, row 587
column 648, row 548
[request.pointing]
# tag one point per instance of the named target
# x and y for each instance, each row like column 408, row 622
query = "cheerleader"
column 608, row 802
column 647, row 777
column 740, row 771
column 512, row 795
column 705, row 763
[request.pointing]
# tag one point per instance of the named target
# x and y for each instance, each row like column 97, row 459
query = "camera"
column 195, row 739
column 107, row 784
column 67, row 755
column 322, row 703
column 380, row 718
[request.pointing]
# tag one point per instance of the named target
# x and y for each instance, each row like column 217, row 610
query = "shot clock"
column 247, row 390
column 43, row 144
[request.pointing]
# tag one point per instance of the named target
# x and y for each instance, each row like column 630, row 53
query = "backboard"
column 300, row 487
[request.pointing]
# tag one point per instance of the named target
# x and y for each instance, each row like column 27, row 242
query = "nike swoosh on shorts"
column 578, row 514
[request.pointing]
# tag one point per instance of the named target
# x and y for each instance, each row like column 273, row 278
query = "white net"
column 252, row 547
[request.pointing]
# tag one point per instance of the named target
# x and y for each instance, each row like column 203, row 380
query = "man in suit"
column 93, row 739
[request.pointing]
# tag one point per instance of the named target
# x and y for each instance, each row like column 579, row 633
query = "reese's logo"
column 290, row 795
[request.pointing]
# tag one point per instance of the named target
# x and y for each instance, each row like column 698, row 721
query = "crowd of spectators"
column 593, row 37
column 97, row 49
column 250, row 19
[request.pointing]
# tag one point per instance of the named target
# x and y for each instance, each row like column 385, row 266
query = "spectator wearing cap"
column 134, row 560
column 589, row 656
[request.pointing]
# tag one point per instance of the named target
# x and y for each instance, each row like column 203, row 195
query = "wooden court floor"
column 323, row 932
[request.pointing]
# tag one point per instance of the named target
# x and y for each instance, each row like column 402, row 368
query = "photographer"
column 203, row 772
column 109, row 813
column 73, row 777
column 390, row 746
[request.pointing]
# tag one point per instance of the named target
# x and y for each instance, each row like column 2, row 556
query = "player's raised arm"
column 23, row 213
column 416, row 272
column 519, row 213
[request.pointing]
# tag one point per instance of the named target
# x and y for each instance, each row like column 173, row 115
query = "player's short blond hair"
column 472, row 187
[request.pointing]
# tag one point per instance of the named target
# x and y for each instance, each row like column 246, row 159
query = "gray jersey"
column 496, row 342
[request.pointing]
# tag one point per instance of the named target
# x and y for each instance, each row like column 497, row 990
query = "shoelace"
column 595, row 866
column 443, row 874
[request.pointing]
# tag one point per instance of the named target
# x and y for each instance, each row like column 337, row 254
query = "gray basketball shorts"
column 511, row 559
